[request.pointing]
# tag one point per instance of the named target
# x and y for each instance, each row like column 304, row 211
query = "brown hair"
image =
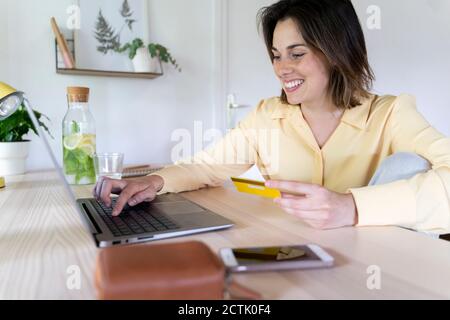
column 332, row 28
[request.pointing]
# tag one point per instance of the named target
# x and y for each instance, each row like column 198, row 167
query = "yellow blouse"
column 276, row 138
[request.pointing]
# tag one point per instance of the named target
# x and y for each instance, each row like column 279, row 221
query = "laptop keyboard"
column 133, row 220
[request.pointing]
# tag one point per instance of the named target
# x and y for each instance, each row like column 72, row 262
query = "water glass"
column 108, row 165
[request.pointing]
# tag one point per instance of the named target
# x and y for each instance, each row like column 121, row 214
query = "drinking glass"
column 108, row 165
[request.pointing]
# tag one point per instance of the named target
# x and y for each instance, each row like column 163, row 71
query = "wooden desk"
column 41, row 235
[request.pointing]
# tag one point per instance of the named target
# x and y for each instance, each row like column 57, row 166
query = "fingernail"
column 132, row 203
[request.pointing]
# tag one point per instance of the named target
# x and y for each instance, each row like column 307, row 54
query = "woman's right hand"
column 131, row 192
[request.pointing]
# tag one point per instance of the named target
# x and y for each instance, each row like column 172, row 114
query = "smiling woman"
column 324, row 39
column 341, row 155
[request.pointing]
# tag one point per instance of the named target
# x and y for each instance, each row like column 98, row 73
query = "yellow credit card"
column 255, row 187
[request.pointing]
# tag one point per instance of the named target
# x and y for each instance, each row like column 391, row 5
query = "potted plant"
column 146, row 58
column 13, row 148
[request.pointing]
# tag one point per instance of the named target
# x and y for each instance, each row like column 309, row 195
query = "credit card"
column 255, row 187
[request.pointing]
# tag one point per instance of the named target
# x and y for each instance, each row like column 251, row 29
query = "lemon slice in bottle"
column 88, row 139
column 71, row 142
column 87, row 144
column 87, row 149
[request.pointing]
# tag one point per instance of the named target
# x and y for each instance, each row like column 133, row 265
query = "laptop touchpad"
column 178, row 207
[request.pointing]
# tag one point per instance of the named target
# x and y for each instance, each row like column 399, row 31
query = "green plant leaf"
column 137, row 43
column 78, row 163
column 124, row 48
column 163, row 53
column 152, row 50
column 74, row 127
column 14, row 128
column 132, row 47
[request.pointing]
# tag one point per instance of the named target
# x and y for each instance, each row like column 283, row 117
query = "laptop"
column 168, row 216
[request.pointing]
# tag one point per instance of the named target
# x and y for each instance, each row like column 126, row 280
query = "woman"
column 344, row 156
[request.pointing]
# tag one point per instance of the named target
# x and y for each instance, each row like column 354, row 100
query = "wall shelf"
column 101, row 73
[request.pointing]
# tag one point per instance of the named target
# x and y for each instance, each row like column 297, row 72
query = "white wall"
column 3, row 38
column 134, row 116
column 410, row 53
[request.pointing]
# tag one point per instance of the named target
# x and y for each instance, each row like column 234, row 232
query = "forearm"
column 187, row 177
column 420, row 203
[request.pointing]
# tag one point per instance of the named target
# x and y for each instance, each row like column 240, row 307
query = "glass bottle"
column 79, row 145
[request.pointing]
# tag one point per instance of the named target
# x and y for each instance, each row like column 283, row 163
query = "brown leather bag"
column 174, row 271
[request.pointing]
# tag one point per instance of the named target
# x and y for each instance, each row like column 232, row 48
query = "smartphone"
column 276, row 258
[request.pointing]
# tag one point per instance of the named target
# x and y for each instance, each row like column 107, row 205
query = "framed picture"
column 105, row 26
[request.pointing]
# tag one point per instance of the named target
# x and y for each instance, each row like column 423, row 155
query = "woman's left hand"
column 316, row 205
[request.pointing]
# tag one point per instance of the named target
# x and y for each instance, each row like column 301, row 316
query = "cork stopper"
column 78, row 94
